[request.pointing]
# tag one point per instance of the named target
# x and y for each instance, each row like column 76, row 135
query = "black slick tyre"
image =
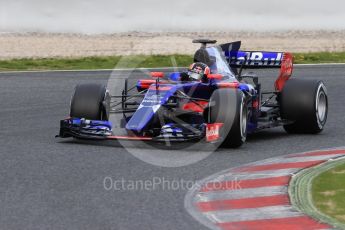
column 229, row 106
column 305, row 104
column 90, row 101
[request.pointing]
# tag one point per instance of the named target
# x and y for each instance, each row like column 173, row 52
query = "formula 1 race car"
column 219, row 107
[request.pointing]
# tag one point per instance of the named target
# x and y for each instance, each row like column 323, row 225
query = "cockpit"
column 213, row 57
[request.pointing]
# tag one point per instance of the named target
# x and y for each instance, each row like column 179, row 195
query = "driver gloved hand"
column 184, row 76
column 204, row 79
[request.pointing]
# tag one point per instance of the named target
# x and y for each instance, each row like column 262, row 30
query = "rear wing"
column 251, row 59
column 254, row 59
column 259, row 59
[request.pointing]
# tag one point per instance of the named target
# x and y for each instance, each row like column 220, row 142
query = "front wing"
column 102, row 130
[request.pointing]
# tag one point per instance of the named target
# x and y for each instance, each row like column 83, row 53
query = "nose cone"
column 141, row 118
column 154, row 98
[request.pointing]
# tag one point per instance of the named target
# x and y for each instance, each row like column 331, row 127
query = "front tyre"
column 90, row 101
column 305, row 103
column 229, row 106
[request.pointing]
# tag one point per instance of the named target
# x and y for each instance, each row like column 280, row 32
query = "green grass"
column 321, row 57
column 139, row 61
column 328, row 192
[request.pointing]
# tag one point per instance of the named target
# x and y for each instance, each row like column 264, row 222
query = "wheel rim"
column 243, row 120
column 321, row 105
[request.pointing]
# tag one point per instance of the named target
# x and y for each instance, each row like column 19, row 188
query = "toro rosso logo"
column 238, row 58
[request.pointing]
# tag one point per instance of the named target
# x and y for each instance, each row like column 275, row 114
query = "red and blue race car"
column 212, row 101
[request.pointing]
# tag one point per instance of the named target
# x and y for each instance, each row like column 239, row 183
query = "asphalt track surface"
column 47, row 183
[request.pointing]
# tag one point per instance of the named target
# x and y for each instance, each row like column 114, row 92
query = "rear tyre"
column 228, row 106
column 90, row 101
column 305, row 103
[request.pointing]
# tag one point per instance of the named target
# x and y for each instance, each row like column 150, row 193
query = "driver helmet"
column 198, row 71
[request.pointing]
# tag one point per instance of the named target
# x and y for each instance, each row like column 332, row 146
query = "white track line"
column 89, row 70
column 252, row 214
column 253, row 175
column 162, row 68
column 241, row 193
